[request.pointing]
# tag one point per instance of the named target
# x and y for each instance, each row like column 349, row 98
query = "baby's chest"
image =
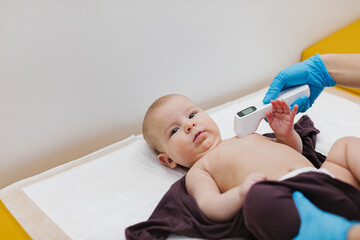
column 248, row 149
column 244, row 157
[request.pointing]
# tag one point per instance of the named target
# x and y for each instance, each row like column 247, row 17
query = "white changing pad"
column 99, row 195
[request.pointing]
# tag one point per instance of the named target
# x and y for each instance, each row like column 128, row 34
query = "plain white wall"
column 77, row 75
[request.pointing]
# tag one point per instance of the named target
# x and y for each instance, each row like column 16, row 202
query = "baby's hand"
column 250, row 180
column 281, row 120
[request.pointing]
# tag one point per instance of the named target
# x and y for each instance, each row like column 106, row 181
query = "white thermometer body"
column 248, row 119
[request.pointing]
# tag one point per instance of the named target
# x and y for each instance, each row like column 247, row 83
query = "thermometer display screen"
column 246, row 111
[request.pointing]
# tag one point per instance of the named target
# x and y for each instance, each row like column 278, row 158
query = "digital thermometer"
column 248, row 119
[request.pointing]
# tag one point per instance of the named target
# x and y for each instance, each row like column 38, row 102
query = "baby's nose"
column 190, row 127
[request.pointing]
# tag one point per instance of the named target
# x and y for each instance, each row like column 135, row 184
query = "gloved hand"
column 311, row 71
column 318, row 224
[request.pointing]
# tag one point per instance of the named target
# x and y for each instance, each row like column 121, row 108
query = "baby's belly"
column 273, row 171
column 278, row 170
column 262, row 156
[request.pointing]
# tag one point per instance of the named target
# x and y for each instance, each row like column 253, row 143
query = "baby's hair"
column 150, row 138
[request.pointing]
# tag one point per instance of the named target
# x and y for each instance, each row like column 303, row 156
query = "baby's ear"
column 164, row 159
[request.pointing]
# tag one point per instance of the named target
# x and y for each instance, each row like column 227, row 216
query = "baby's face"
column 186, row 132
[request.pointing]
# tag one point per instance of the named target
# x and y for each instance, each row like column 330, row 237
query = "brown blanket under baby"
column 268, row 212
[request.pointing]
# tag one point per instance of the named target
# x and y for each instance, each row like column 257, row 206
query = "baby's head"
column 179, row 131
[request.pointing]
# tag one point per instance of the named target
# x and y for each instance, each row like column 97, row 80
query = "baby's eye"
column 174, row 131
column 192, row 115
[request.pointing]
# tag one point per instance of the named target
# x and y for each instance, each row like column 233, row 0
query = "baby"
column 221, row 172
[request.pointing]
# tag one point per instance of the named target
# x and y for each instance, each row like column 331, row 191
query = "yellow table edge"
column 9, row 227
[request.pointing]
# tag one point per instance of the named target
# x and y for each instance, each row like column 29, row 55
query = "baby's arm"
column 281, row 121
column 217, row 206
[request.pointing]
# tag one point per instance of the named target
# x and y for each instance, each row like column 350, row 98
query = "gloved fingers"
column 308, row 214
column 303, row 103
column 302, row 203
column 318, row 224
column 275, row 88
column 315, row 91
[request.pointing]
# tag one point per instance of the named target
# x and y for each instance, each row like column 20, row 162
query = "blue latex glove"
column 311, row 71
column 318, row 224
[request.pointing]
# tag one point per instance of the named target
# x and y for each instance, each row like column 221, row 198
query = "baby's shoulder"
column 198, row 179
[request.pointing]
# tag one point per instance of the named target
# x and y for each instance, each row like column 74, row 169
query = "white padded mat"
column 99, row 195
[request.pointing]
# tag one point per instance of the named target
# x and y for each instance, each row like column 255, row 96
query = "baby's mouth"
column 197, row 135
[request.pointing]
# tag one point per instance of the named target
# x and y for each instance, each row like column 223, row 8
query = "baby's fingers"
column 269, row 117
column 276, row 106
column 255, row 177
column 280, row 106
column 285, row 107
column 294, row 110
column 258, row 176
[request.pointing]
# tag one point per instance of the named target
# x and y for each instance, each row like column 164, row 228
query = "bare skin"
column 343, row 68
column 221, row 179
column 354, row 233
column 221, row 172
